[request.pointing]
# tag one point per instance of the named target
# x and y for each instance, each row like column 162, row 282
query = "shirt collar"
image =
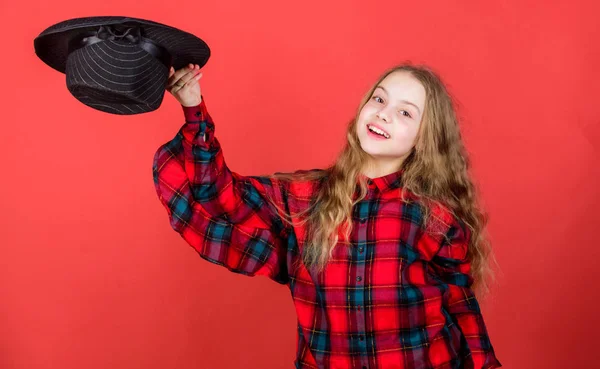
column 384, row 183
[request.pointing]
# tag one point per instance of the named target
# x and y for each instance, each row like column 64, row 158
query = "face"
column 388, row 124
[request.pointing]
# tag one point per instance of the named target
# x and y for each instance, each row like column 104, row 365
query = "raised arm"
column 225, row 216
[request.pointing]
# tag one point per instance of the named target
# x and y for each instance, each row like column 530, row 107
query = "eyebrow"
column 404, row 101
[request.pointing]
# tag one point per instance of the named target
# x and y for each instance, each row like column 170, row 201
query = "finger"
column 185, row 78
column 174, row 77
column 194, row 80
column 172, row 82
column 188, row 84
column 177, row 75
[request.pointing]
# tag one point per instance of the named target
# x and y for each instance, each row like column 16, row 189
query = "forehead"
column 403, row 86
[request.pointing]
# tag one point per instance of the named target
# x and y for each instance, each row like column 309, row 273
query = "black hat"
column 118, row 65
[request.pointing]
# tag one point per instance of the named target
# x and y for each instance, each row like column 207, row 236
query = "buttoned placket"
column 362, row 227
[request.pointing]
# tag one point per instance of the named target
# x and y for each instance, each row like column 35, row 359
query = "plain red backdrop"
column 92, row 275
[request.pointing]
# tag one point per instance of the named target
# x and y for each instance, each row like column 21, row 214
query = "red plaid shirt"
column 397, row 297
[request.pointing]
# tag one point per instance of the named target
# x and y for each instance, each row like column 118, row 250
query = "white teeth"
column 378, row 131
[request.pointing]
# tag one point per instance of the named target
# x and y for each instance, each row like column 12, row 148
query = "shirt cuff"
column 196, row 113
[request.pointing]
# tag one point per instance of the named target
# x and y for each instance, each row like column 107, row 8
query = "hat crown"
column 116, row 76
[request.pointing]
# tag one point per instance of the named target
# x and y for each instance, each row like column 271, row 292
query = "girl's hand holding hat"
column 184, row 85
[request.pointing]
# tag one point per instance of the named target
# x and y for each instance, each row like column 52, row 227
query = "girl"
column 382, row 251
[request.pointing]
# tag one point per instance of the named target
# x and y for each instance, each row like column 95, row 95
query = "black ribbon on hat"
column 132, row 35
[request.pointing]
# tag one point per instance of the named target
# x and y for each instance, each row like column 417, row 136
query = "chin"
column 371, row 151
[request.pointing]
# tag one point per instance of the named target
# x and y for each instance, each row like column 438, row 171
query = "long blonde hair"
column 436, row 171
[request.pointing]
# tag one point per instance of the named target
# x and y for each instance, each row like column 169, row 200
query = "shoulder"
column 441, row 221
column 442, row 214
column 444, row 234
column 449, row 227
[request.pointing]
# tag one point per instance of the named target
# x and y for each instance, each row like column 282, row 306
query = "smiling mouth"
column 378, row 131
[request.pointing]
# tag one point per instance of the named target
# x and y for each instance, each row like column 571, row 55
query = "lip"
column 379, row 127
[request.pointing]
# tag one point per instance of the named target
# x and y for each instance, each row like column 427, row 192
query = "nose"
column 383, row 115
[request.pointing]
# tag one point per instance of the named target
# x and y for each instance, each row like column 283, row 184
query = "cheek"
column 406, row 136
column 360, row 122
column 366, row 112
column 360, row 134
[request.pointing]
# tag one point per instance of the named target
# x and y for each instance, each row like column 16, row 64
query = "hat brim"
column 52, row 44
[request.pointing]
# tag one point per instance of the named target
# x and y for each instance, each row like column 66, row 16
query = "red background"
column 92, row 275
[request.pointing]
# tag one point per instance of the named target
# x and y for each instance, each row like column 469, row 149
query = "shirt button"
column 361, row 249
column 197, row 113
column 359, row 278
column 359, row 308
column 364, row 367
column 363, row 220
column 362, row 338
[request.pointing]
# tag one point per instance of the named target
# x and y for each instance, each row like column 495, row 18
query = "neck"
column 380, row 168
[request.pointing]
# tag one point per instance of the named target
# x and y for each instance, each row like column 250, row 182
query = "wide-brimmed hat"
column 116, row 64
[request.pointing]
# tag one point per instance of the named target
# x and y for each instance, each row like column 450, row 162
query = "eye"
column 407, row 113
column 378, row 99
